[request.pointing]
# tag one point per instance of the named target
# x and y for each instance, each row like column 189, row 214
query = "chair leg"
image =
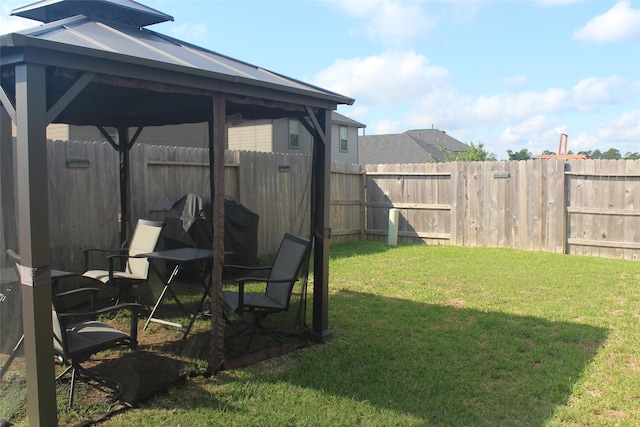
column 253, row 328
column 102, row 384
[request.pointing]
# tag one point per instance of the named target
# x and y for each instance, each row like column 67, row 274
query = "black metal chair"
column 144, row 240
column 76, row 341
column 278, row 285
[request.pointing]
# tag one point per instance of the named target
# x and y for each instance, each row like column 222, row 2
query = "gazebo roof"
column 133, row 65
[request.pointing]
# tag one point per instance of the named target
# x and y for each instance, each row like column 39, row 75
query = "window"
column 294, row 134
column 344, row 146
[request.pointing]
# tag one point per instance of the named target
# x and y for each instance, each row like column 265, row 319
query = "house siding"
column 259, row 135
column 349, row 156
column 255, row 137
column 281, row 138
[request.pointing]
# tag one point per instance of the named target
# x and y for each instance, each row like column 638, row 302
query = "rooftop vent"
column 123, row 12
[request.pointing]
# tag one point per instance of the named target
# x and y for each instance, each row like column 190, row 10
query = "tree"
column 523, row 154
column 596, row 154
column 611, row 154
column 632, row 156
column 475, row 153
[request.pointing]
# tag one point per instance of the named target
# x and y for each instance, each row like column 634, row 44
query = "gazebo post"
column 33, row 225
column 123, row 152
column 322, row 203
column 217, row 135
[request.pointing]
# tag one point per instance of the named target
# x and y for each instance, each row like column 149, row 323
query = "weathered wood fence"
column 587, row 207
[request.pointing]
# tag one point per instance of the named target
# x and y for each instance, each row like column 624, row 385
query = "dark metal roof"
column 131, row 56
column 116, row 11
column 139, row 44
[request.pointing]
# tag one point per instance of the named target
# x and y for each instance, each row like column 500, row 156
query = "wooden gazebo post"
column 33, row 226
column 217, row 137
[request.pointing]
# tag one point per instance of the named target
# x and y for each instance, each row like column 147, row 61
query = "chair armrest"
column 76, row 291
column 247, row 267
column 110, row 260
column 86, row 252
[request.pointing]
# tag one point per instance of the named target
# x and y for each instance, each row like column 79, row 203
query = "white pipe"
column 392, row 239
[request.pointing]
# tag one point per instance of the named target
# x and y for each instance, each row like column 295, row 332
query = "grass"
column 442, row 335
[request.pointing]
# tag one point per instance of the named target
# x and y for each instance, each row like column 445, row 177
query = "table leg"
column 164, row 291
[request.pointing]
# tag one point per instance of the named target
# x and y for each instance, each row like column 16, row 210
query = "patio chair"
column 278, row 286
column 75, row 342
column 136, row 270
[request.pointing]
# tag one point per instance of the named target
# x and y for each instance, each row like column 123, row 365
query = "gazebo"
column 94, row 62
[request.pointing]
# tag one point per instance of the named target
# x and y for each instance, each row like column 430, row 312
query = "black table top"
column 179, row 255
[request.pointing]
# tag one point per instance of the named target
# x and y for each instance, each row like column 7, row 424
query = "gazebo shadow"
column 448, row 365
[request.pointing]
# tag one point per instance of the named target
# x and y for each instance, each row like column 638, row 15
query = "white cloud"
column 592, row 92
column 390, row 22
column 626, row 127
column 386, row 79
column 532, row 125
column 385, row 127
column 584, row 142
column 505, row 107
column 620, row 23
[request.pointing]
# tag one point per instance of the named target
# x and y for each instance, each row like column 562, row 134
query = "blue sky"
column 507, row 74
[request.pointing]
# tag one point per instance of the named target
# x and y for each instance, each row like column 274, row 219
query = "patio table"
column 180, row 257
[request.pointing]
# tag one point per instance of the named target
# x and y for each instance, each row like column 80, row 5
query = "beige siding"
column 186, row 135
column 257, row 136
column 58, row 131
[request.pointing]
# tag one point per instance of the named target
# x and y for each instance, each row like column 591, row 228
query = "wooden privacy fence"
column 84, row 201
column 588, row 207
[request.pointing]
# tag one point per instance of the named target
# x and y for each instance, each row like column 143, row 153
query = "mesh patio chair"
column 278, row 285
column 76, row 341
column 136, row 270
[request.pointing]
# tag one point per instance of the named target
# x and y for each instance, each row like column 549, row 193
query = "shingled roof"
column 413, row 146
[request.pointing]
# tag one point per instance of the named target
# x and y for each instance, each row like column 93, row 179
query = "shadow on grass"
column 447, row 365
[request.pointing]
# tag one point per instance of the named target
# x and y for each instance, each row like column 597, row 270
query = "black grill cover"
column 188, row 223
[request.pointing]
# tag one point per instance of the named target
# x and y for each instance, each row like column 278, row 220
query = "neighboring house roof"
column 339, row 119
column 413, row 146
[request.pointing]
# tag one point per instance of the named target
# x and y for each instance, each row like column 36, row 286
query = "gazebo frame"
column 44, row 80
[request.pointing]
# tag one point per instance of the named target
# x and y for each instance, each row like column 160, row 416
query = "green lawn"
column 442, row 335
